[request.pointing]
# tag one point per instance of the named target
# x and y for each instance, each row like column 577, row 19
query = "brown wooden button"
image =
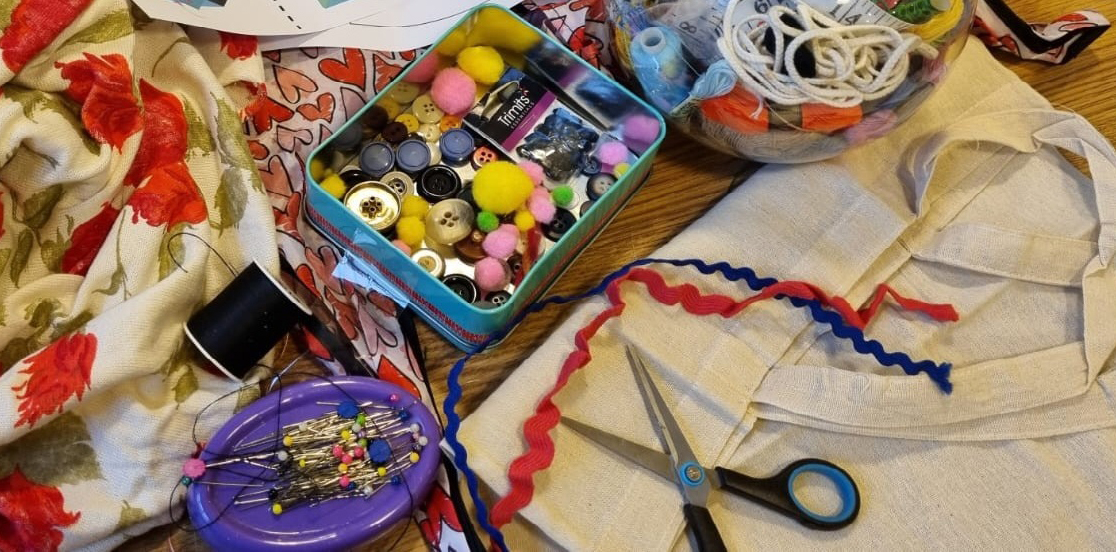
column 469, row 249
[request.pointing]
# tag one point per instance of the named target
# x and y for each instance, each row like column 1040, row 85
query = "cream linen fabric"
column 966, row 203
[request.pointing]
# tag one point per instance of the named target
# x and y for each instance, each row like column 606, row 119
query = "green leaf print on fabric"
column 56, row 454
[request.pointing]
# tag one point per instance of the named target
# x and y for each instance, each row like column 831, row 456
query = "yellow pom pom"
column 524, row 221
column 501, row 187
column 411, row 231
column 482, row 63
column 414, row 206
column 317, row 169
column 496, row 27
column 333, row 185
column 391, row 106
column 452, row 44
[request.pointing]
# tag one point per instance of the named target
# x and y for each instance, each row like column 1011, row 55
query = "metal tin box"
column 591, row 95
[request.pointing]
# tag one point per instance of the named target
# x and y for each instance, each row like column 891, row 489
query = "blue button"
column 457, row 145
column 377, row 159
column 348, row 139
column 412, row 156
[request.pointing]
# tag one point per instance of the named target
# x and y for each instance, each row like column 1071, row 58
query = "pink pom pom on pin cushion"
column 424, row 70
column 492, row 274
column 453, row 91
column 193, row 468
column 533, row 170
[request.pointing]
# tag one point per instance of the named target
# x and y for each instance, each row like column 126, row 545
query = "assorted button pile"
column 446, row 195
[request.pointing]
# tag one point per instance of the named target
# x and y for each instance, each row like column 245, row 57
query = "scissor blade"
column 651, row 459
column 673, row 439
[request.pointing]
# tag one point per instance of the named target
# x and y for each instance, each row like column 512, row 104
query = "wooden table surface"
column 658, row 212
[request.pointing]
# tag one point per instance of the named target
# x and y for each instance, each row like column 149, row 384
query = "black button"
column 599, row 184
column 375, row 118
column 498, row 298
column 515, row 263
column 352, row 177
column 590, row 165
column 585, row 207
column 438, row 182
column 463, row 286
column 563, row 221
column 466, row 193
column 395, row 132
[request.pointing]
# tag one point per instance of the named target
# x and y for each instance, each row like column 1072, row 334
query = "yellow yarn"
column 411, row 231
column 482, row 63
column 501, row 187
column 452, row 44
column 941, row 24
column 333, row 185
column 496, row 27
column 524, row 221
column 414, row 206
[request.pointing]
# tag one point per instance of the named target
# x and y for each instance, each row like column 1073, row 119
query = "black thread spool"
column 249, row 317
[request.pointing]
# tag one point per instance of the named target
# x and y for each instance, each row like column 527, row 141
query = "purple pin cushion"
column 377, row 159
column 334, row 524
column 412, row 156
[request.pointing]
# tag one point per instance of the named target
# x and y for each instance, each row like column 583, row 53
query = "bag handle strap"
column 1027, row 131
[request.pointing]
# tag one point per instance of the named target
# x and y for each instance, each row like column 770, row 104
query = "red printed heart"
column 287, row 137
column 263, row 110
column 293, row 83
column 323, row 109
column 350, row 71
column 275, row 178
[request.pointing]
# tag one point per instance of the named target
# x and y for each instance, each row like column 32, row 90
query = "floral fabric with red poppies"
column 123, row 164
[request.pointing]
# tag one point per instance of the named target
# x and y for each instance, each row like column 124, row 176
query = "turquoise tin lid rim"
column 430, row 51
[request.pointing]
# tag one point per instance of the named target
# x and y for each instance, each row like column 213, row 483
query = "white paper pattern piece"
column 264, row 17
column 401, row 25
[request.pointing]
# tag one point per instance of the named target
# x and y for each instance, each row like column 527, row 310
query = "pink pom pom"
column 542, row 207
column 424, row 70
column 492, row 274
column 453, row 91
column 612, row 153
column 500, row 243
column 534, row 170
column 193, row 468
column 406, row 249
column 640, row 131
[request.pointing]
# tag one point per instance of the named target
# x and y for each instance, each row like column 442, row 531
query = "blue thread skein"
column 718, row 80
column 660, row 67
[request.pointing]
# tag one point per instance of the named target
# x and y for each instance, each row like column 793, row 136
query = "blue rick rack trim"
column 937, row 372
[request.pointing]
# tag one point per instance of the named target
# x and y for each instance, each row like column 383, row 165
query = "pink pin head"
column 344, row 481
column 193, row 468
column 358, row 452
column 346, row 459
column 338, row 451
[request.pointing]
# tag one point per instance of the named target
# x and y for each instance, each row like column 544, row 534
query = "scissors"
column 681, row 466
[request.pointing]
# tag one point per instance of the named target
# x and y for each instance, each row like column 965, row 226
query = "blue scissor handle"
column 777, row 492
